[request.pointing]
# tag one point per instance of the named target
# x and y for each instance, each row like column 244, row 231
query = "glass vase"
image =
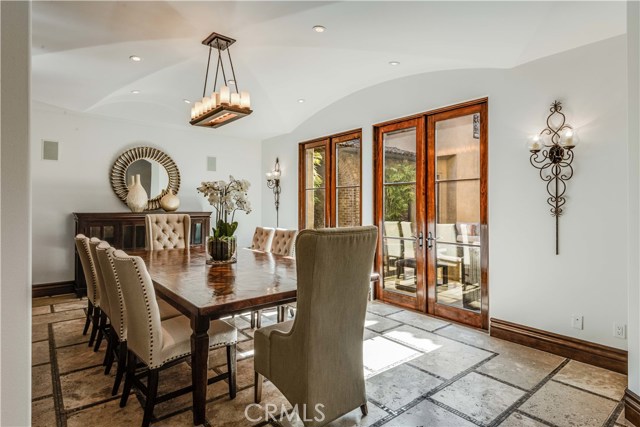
column 221, row 249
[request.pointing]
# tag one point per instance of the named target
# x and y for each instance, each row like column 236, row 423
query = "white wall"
column 529, row 284
column 15, row 217
column 79, row 180
column 633, row 259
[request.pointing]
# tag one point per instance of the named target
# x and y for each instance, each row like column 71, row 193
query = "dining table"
column 204, row 292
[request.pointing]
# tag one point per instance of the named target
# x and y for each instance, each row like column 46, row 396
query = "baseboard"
column 51, row 289
column 632, row 407
column 584, row 351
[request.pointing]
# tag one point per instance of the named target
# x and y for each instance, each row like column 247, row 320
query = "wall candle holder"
column 553, row 159
column 273, row 182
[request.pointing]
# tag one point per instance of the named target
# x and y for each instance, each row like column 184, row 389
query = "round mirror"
column 153, row 176
column 158, row 174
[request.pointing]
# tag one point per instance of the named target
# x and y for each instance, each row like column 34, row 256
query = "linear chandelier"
column 225, row 106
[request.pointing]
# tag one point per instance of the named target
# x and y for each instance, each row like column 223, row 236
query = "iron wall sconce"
column 273, row 182
column 552, row 154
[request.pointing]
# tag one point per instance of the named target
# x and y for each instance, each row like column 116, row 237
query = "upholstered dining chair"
column 160, row 344
column 167, row 231
column 262, row 239
column 105, row 311
column 93, row 296
column 117, row 309
column 284, row 242
column 316, row 358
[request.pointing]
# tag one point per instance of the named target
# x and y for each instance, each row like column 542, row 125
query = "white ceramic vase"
column 170, row 202
column 137, row 198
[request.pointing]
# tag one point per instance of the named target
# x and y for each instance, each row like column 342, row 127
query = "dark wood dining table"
column 205, row 292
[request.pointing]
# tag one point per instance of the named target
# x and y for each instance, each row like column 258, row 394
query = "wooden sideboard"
column 126, row 231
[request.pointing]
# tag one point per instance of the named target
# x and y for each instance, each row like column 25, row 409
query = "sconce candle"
column 554, row 159
column 273, row 182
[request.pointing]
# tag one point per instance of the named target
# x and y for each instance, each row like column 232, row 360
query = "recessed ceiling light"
column 135, row 91
column 231, row 82
column 135, row 58
column 186, row 101
column 300, row 101
column 394, row 63
column 319, row 29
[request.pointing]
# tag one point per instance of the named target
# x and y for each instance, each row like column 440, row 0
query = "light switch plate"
column 49, row 150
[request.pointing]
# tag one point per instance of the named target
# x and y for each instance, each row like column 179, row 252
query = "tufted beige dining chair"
column 118, row 330
column 160, row 344
column 284, row 242
column 262, row 238
column 317, row 357
column 105, row 311
column 93, row 295
column 167, row 231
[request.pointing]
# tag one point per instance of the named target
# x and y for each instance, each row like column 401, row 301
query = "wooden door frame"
column 329, row 143
column 378, row 169
column 425, row 220
column 467, row 317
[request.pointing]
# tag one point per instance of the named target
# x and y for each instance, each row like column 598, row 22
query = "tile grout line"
column 502, row 381
column 427, row 396
column 585, row 390
column 58, row 405
column 519, row 402
column 535, row 418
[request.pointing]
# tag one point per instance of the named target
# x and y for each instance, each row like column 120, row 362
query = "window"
column 330, row 181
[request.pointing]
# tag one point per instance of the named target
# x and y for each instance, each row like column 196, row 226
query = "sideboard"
column 126, row 231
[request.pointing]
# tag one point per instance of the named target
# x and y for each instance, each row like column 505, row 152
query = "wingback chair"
column 90, row 277
column 168, row 231
column 317, row 357
column 262, row 238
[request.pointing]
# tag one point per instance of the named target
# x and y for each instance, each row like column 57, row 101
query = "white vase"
column 137, row 198
column 170, row 202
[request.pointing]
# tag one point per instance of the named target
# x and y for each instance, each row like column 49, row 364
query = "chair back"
column 392, row 247
column 144, row 332
column 334, row 269
column 104, row 256
column 105, row 302
column 88, row 268
column 262, row 239
column 167, row 231
column 284, row 242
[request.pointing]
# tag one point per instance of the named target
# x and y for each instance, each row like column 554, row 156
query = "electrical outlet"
column 619, row 330
column 577, row 322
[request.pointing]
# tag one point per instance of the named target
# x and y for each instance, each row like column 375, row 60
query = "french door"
column 431, row 210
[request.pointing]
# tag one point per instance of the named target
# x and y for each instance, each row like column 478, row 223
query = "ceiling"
column 81, row 50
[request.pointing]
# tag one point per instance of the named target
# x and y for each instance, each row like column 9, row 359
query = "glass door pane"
column 315, row 174
column 457, row 230
column 347, row 176
column 399, row 211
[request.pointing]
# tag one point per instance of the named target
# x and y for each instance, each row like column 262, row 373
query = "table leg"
column 199, row 366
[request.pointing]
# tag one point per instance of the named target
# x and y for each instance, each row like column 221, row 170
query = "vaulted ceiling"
column 81, row 50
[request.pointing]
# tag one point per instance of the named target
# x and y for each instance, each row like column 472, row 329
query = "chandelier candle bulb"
column 215, row 100
column 235, row 99
column 245, row 100
column 198, row 108
column 193, row 112
column 269, row 175
column 224, row 95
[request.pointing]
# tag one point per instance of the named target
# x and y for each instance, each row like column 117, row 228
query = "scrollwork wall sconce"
column 552, row 154
column 273, row 182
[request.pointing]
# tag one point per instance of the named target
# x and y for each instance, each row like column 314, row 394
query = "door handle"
column 430, row 240
column 420, row 239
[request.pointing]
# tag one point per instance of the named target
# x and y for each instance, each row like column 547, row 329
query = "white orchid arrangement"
column 226, row 198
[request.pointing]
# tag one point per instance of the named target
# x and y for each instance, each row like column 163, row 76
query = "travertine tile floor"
column 420, row 371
